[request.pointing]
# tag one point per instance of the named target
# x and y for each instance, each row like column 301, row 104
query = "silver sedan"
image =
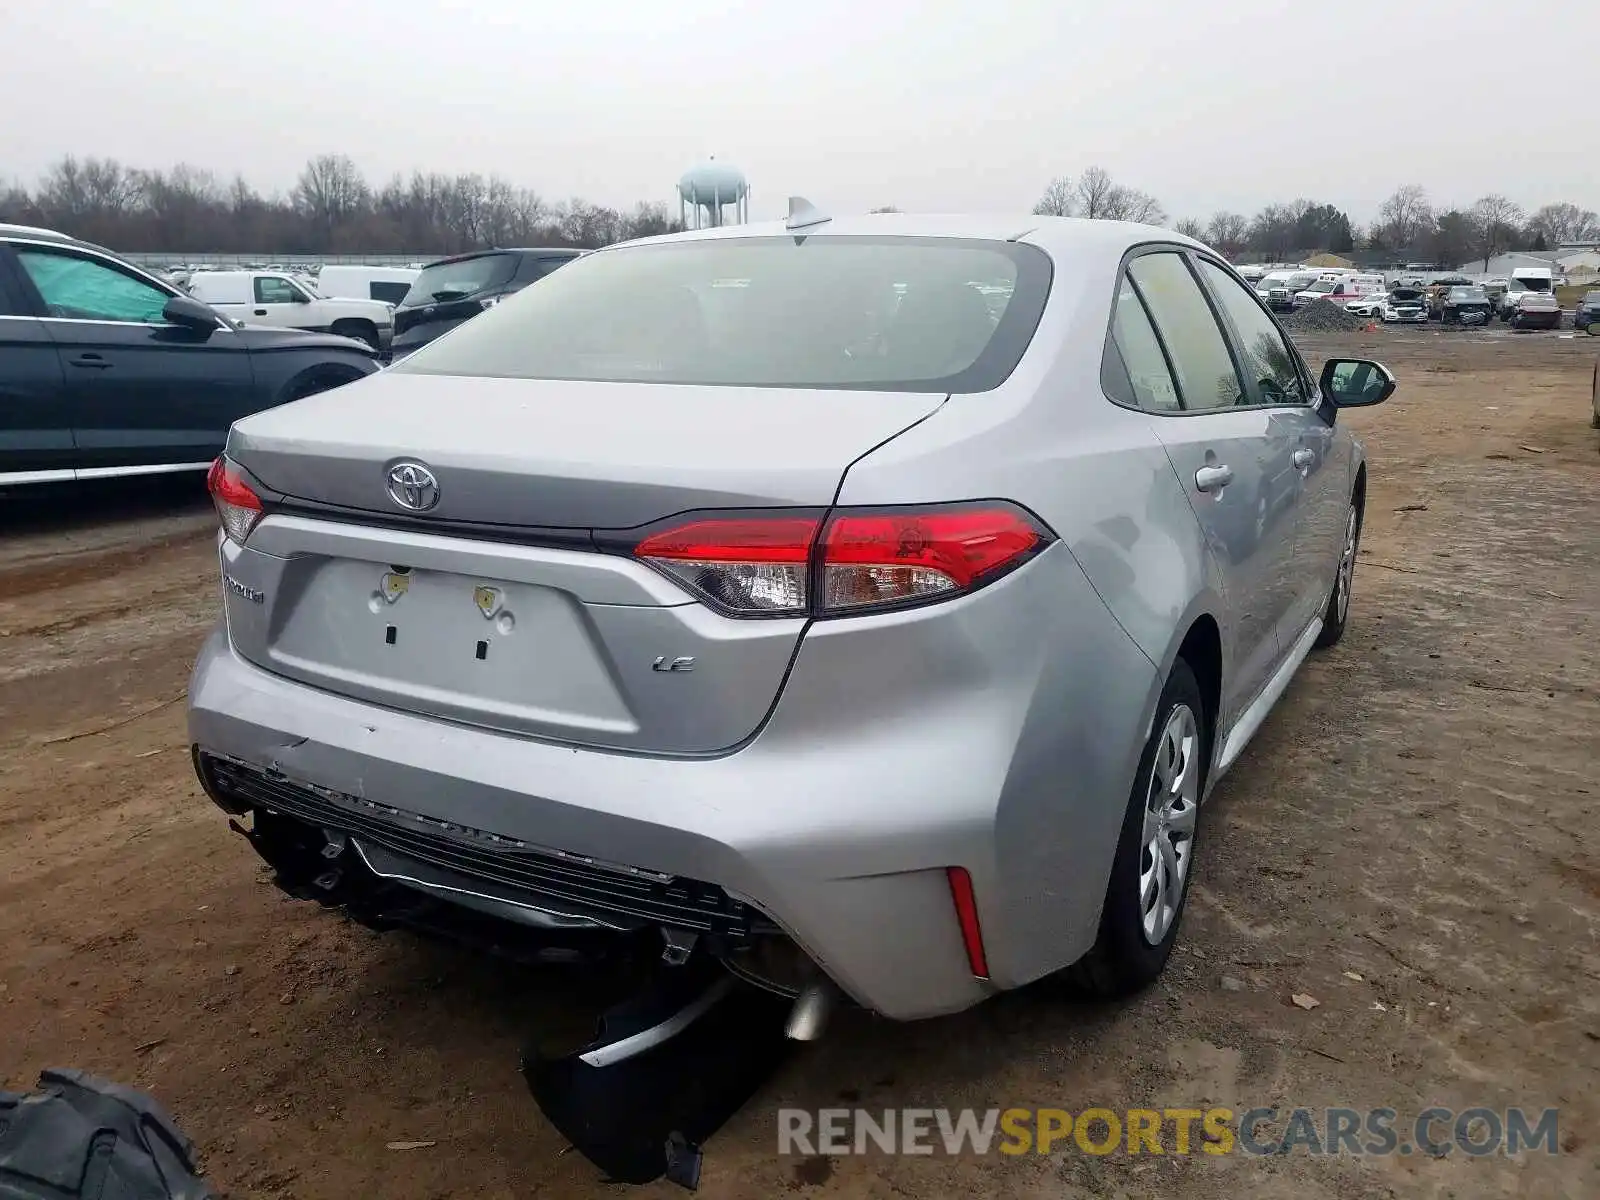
column 867, row 603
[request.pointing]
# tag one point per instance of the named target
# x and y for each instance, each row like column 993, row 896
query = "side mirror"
column 1356, row 382
column 190, row 313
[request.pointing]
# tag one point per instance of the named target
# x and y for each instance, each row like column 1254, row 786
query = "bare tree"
column 1058, row 199
column 1190, row 227
column 1130, row 204
column 1405, row 216
column 1226, row 231
column 887, row 208
column 1097, row 193
column 331, row 191
column 1494, row 224
column 1272, row 230
column 1565, row 222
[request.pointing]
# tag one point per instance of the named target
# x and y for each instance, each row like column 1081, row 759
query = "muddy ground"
column 1421, row 811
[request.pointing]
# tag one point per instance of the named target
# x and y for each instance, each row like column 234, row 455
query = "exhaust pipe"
column 812, row 1008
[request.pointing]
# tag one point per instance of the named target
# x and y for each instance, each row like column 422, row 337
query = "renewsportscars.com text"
column 1437, row 1132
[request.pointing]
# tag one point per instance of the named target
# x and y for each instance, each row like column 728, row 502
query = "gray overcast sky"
column 931, row 105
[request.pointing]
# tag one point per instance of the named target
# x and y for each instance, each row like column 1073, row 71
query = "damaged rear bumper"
column 553, row 837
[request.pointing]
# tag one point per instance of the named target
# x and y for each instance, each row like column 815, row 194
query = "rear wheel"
column 1155, row 852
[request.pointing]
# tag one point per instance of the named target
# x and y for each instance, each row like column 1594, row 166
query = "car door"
column 35, row 430
column 1320, row 479
column 142, row 394
column 281, row 302
column 1232, row 458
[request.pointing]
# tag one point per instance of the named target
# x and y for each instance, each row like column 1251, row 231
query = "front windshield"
column 1322, row 285
column 1464, row 293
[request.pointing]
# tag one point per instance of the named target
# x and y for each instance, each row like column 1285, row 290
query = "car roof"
column 546, row 251
column 38, row 234
column 1058, row 235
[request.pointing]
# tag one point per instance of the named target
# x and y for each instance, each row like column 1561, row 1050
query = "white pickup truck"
column 282, row 300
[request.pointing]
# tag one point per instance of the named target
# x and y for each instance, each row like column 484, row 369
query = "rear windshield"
column 457, row 280
column 895, row 314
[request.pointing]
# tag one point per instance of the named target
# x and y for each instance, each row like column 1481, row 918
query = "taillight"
column 238, row 507
column 754, row 566
column 790, row 564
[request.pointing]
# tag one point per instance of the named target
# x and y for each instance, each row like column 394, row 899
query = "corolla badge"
column 412, row 486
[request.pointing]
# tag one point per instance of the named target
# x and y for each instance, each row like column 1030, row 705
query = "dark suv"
column 106, row 370
column 1587, row 316
column 456, row 289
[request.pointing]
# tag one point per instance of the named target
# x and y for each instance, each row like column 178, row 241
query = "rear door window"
column 1136, row 371
column 1207, row 378
column 388, row 292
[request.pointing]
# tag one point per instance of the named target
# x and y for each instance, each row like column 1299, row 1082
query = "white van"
column 1524, row 280
column 389, row 284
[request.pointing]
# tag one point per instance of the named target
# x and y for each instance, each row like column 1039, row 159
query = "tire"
column 361, row 331
column 1136, row 937
column 1338, row 609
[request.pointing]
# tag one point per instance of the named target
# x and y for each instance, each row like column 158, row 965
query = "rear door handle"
column 261, row 312
column 1213, row 479
column 1303, row 458
column 92, row 361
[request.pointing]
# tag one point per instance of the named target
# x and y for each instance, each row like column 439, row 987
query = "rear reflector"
column 766, row 565
column 238, row 507
column 967, row 914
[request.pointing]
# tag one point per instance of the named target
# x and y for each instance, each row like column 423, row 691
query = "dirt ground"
column 1420, row 811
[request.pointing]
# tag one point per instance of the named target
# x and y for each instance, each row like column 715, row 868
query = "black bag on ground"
column 644, row 1117
column 82, row 1138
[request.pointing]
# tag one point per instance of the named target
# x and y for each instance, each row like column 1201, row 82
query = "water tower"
column 713, row 194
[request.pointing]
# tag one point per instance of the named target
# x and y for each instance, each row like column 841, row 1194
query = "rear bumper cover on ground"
column 904, row 744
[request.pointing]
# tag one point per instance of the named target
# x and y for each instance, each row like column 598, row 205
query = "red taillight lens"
column 238, row 507
column 763, row 565
column 894, row 558
column 966, row 903
column 748, row 566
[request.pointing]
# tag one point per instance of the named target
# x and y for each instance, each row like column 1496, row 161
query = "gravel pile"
column 1323, row 316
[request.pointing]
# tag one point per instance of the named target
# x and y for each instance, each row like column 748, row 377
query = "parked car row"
column 106, row 370
column 392, row 309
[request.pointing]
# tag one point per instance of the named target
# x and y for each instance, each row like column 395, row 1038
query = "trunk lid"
column 568, row 455
column 464, row 613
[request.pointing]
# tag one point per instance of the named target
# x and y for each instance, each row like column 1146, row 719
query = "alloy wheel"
column 1347, row 562
column 1171, row 807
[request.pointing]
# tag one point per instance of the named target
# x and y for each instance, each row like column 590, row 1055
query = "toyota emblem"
column 412, row 486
